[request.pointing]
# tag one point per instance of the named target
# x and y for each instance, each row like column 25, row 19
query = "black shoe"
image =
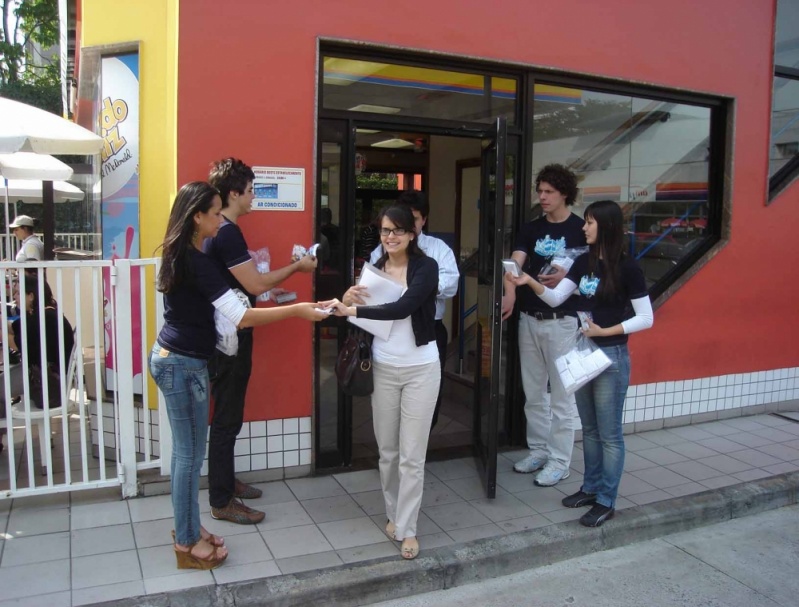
column 579, row 499
column 597, row 515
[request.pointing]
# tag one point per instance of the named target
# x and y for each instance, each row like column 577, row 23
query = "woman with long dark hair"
column 193, row 289
column 406, row 371
column 611, row 286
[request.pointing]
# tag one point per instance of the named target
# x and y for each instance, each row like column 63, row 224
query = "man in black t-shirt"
column 230, row 374
column 546, row 333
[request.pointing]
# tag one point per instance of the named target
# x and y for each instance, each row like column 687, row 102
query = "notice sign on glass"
column 278, row 189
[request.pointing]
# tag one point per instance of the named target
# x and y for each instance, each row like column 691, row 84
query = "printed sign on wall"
column 278, row 189
column 119, row 127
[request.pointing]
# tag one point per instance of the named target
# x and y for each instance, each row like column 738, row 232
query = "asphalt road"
column 746, row 562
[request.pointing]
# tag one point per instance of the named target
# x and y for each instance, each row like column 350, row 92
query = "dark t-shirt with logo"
column 607, row 312
column 541, row 240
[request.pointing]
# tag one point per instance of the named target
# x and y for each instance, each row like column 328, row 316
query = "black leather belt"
column 547, row 315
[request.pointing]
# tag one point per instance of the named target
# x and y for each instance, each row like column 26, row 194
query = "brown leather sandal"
column 214, row 540
column 187, row 560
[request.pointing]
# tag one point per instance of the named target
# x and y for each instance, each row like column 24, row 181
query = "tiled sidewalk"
column 60, row 550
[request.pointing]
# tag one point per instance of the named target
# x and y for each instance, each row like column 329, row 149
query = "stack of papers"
column 382, row 289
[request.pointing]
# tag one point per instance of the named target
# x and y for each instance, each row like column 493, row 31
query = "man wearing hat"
column 31, row 249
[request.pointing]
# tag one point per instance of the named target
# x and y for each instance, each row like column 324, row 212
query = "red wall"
column 247, row 88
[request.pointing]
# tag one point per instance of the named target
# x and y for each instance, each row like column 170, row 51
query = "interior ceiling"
column 366, row 139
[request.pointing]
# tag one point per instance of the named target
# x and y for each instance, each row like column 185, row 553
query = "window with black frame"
column 652, row 156
column 784, row 149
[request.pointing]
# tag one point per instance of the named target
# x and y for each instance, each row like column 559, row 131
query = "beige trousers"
column 403, row 402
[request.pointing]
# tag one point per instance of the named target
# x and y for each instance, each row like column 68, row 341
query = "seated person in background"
column 30, row 342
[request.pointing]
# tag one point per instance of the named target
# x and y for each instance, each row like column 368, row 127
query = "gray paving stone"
column 87, row 516
column 309, row 562
column 37, row 521
column 171, row 583
column 475, row 533
column 312, row 488
column 452, row 469
column 113, row 538
column 456, row 516
column 755, row 458
column 338, row 508
column 239, row 573
column 725, row 464
column 502, row 508
column 287, row 514
column 295, row 541
column 693, row 470
column 720, row 444
column 35, row 549
column 368, row 552
column 110, row 592
column 358, row 482
column 353, row 532
column 662, row 456
column 105, row 569
column 661, row 478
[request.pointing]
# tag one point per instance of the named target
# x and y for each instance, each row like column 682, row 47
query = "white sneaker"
column 550, row 476
column 529, row 464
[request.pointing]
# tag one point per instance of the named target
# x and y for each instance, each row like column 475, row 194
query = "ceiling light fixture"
column 375, row 109
column 394, row 142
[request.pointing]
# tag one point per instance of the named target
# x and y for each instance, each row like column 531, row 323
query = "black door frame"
column 346, row 125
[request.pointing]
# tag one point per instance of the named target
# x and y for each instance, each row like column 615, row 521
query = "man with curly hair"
column 546, row 333
column 230, row 374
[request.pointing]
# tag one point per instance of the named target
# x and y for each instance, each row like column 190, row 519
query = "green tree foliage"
column 28, row 25
column 376, row 181
column 25, row 22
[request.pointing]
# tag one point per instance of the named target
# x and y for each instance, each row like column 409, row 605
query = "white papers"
column 382, row 289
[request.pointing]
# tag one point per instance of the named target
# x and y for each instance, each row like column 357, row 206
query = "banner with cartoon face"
column 119, row 127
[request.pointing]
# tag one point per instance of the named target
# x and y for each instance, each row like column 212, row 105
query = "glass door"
column 489, row 368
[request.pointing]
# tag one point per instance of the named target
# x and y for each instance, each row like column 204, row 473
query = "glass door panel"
column 489, row 370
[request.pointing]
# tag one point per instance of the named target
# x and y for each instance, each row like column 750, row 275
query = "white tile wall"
column 276, row 443
column 710, row 394
column 283, row 443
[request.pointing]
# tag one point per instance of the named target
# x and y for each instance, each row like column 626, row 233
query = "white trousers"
column 550, row 418
column 403, row 402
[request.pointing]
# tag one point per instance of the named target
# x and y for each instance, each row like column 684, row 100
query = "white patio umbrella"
column 30, row 191
column 24, row 128
column 27, row 165
column 37, row 167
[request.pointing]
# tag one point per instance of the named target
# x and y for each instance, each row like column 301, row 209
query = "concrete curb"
column 369, row 582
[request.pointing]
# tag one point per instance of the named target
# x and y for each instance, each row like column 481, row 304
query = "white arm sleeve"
column 562, row 292
column 230, row 307
column 448, row 274
column 644, row 317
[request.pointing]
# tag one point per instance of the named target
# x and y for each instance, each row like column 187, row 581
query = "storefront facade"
column 665, row 107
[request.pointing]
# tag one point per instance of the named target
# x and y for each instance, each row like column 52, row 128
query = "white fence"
column 99, row 429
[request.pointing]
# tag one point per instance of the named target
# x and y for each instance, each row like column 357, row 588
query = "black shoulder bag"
column 354, row 364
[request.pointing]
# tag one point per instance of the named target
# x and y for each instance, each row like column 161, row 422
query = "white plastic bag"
column 227, row 341
column 262, row 260
column 581, row 364
column 564, row 259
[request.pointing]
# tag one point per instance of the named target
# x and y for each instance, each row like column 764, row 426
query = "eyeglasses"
column 395, row 231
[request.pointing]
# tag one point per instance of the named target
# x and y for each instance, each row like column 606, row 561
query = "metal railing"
column 82, row 241
column 114, row 309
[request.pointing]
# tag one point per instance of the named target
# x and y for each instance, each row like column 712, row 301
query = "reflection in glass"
column 784, row 124
column 651, row 156
column 786, row 43
column 386, row 88
column 328, row 285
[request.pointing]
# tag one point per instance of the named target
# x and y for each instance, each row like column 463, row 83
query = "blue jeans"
column 601, row 406
column 184, row 383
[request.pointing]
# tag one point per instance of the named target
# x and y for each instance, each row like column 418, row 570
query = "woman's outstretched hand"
column 339, row 308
